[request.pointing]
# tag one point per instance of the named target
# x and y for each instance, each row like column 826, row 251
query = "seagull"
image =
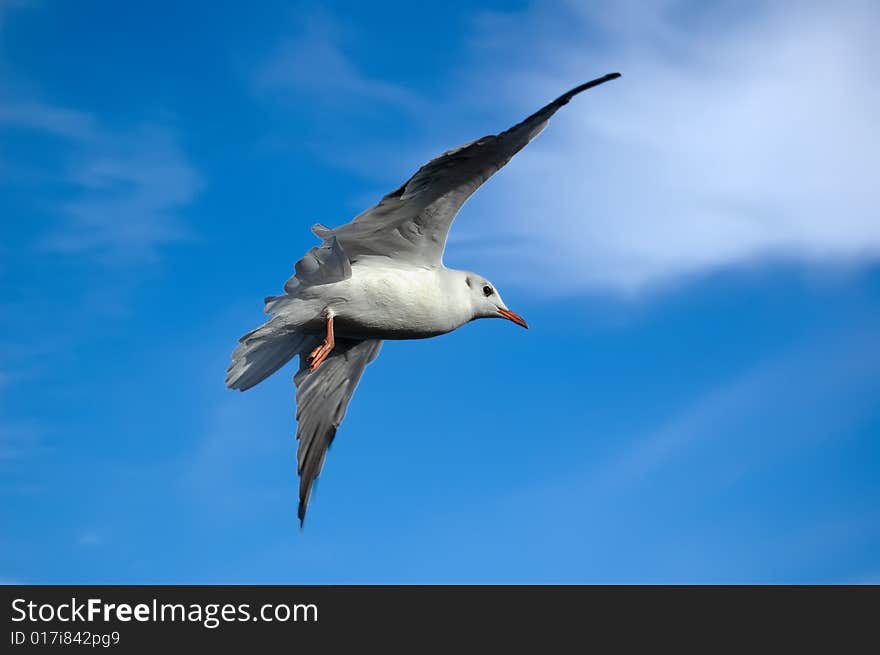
column 380, row 276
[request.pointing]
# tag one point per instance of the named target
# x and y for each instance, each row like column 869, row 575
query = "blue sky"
column 695, row 247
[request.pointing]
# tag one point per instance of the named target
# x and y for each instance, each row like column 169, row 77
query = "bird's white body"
column 386, row 302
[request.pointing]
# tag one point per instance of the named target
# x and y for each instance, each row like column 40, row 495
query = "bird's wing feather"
column 321, row 265
column 322, row 397
column 411, row 224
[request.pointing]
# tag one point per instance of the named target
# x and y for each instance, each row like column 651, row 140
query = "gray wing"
column 411, row 223
column 321, row 400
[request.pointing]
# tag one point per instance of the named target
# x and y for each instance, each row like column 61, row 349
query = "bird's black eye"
column 487, row 291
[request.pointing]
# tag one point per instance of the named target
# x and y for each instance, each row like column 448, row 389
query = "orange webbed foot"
column 322, row 352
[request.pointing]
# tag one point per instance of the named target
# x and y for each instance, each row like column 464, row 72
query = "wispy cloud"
column 124, row 190
column 312, row 63
column 45, row 118
column 129, row 190
column 835, row 389
column 236, row 444
column 756, row 135
column 333, row 107
column 95, row 190
column 19, row 439
column 870, row 577
column 89, row 538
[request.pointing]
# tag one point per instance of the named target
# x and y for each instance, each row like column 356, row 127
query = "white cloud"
column 313, row 62
column 124, row 189
column 130, row 188
column 729, row 138
column 54, row 120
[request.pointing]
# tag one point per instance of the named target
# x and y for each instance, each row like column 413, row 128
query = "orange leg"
column 319, row 354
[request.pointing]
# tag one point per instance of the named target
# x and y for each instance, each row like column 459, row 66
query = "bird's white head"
column 486, row 302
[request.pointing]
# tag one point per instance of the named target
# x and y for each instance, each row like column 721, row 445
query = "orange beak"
column 516, row 318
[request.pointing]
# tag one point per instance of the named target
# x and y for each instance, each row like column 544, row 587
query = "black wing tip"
column 587, row 85
column 601, row 80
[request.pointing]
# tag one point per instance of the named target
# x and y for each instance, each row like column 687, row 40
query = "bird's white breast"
column 398, row 303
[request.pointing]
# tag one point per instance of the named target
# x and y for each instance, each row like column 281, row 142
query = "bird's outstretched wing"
column 322, row 397
column 411, row 223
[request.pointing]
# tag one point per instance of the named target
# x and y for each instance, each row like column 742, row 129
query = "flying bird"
column 380, row 276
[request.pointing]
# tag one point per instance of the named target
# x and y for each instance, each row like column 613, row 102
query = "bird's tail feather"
column 261, row 352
